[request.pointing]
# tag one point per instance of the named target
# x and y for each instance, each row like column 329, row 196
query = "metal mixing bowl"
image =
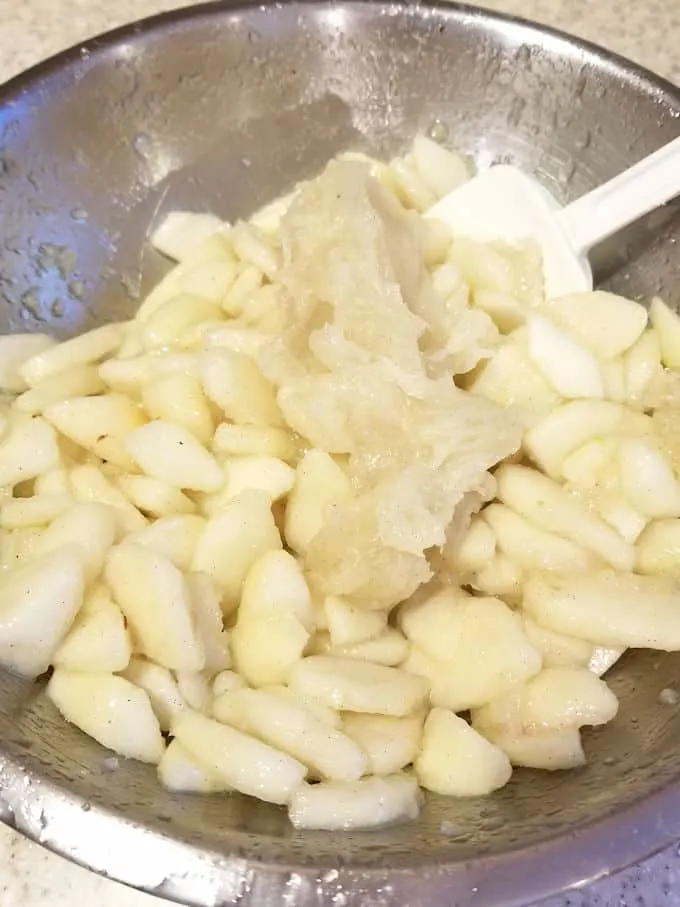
column 222, row 107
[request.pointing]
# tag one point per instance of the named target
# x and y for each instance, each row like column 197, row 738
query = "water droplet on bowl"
column 583, row 141
column 568, row 173
column 142, row 144
column 30, row 303
column 79, row 214
column 76, row 289
column 580, row 85
column 667, row 696
column 516, row 110
column 438, row 132
column 523, row 54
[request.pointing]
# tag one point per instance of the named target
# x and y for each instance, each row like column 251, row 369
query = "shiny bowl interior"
column 223, row 107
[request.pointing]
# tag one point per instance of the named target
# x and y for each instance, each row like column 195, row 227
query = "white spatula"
column 503, row 203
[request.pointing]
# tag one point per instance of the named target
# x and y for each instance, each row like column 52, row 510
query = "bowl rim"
column 159, row 864
column 103, row 41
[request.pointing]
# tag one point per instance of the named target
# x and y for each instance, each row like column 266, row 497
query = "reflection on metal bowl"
column 223, row 107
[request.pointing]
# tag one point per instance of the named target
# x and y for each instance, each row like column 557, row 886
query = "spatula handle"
column 646, row 185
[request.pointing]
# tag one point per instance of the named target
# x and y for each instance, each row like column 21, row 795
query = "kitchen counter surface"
column 648, row 32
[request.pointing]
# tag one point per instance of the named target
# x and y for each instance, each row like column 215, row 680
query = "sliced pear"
column 156, row 599
column 456, row 761
column 570, row 368
column 39, row 600
column 111, row 709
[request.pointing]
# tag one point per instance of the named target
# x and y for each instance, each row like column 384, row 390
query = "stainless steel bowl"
column 223, row 107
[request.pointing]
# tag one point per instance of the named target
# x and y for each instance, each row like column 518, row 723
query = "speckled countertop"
column 645, row 30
